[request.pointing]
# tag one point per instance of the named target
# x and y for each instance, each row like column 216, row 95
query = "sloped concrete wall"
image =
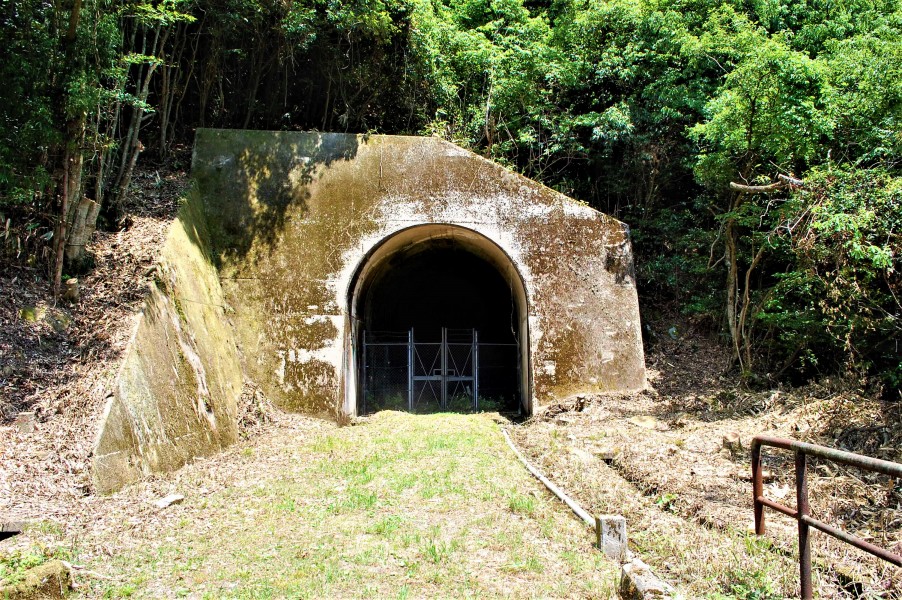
column 293, row 217
column 177, row 389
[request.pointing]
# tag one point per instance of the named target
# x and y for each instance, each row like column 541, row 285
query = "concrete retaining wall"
column 177, row 389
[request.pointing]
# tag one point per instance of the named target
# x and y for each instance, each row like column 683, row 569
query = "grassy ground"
column 661, row 463
column 402, row 506
column 703, row 562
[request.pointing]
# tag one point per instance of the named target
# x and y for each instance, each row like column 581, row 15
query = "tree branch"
column 785, row 181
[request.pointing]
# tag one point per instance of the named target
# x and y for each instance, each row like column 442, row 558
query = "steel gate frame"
column 450, row 371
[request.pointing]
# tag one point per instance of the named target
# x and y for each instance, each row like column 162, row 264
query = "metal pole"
column 444, row 367
column 804, row 510
column 410, row 358
column 757, row 488
column 847, row 458
column 363, row 369
column 476, row 370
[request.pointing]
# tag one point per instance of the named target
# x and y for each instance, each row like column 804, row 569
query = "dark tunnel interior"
column 443, row 293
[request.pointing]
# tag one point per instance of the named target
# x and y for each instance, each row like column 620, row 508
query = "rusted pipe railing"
column 802, row 512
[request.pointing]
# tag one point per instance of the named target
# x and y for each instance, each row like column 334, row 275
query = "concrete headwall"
column 260, row 270
column 294, row 216
column 176, row 392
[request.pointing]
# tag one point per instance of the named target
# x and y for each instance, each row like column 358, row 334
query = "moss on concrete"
column 177, row 389
column 294, row 215
column 258, row 271
column 52, row 579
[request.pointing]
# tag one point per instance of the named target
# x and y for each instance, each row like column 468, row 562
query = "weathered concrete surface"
column 294, row 217
column 638, row 582
column 610, row 531
column 176, row 391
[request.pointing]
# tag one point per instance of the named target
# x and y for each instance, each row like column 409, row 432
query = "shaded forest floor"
column 59, row 361
column 656, row 457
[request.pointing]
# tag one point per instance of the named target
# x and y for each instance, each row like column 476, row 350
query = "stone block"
column 611, row 537
column 638, row 582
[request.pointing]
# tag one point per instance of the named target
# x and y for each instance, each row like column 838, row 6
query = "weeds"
column 522, row 504
column 14, row 565
column 750, row 585
column 666, row 501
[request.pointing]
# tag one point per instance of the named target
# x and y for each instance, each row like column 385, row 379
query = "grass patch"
column 401, row 506
column 354, row 500
column 51, row 546
column 386, row 526
column 14, row 565
column 522, row 504
column 438, row 551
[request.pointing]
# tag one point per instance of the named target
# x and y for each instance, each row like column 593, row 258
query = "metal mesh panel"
column 460, row 396
column 427, row 378
column 459, row 374
column 427, row 360
column 427, row 396
column 385, row 372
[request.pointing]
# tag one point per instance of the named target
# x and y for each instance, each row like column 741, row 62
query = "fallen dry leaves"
column 684, row 443
column 64, row 371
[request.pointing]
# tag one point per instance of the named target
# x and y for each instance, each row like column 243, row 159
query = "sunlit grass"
column 403, row 506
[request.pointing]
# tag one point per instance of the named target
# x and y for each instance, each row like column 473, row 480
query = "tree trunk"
column 84, row 224
column 70, row 170
column 132, row 146
column 743, row 323
column 171, row 86
column 731, row 256
column 61, row 229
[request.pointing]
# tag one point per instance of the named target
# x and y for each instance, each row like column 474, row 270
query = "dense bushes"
column 647, row 109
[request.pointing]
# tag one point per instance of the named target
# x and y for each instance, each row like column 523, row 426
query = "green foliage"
column 27, row 128
column 750, row 585
column 523, row 504
column 166, row 12
column 666, row 501
column 768, row 107
column 14, row 565
column 645, row 109
column 841, row 302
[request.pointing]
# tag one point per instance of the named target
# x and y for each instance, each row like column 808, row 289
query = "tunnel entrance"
column 440, row 326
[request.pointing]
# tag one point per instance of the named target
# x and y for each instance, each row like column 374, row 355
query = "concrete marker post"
column 637, row 581
column 610, row 535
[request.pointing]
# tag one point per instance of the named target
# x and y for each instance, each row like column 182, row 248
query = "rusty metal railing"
column 802, row 512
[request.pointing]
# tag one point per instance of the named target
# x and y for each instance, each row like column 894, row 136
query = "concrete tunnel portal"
column 439, row 323
column 342, row 274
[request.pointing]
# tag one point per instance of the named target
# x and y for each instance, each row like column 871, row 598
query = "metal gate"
column 400, row 373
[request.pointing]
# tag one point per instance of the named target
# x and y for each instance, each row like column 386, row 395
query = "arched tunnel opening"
column 440, row 326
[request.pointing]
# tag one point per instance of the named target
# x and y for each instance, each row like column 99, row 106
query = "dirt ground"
column 667, row 447
column 60, row 361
